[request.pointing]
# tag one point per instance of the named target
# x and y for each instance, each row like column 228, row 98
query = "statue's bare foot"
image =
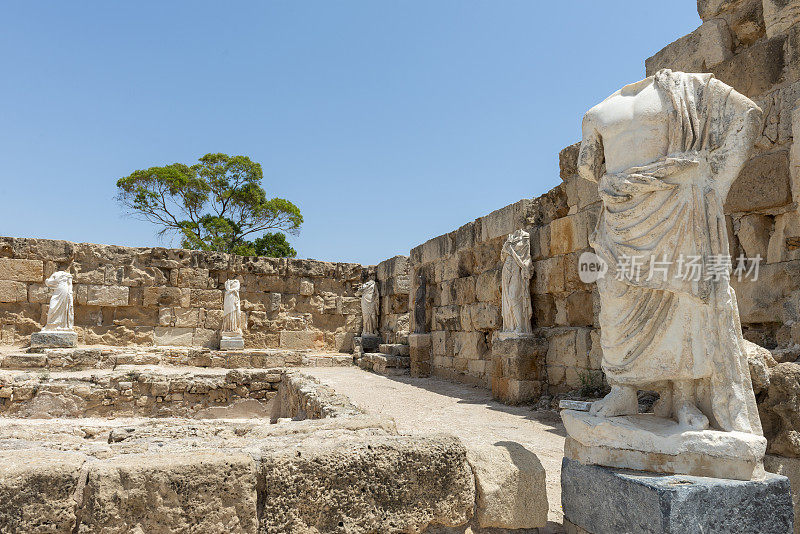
column 621, row 400
column 689, row 416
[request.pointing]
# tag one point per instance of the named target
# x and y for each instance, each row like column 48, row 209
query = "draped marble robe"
column 664, row 327
column 232, row 308
column 60, row 313
column 369, row 308
column 515, row 283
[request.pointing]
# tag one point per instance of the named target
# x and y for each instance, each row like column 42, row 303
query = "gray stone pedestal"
column 370, row 343
column 54, row 340
column 231, row 343
column 604, row 500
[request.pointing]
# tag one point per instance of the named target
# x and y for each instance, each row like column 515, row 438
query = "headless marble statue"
column 664, row 152
column 232, row 309
column 369, row 308
column 516, row 275
column 60, row 314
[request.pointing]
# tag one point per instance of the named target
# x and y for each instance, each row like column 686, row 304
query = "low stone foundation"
column 145, row 448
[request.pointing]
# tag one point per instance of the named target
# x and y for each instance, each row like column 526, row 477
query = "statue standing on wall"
column 59, row 330
column 664, row 152
column 232, row 317
column 516, row 275
column 420, row 294
column 369, row 308
column 232, row 308
column 60, row 314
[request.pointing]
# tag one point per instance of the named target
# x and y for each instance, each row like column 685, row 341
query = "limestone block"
column 568, row 234
column 13, row 291
column 343, row 341
column 481, row 316
column 366, row 484
column 487, row 286
column 779, row 411
column 510, row 485
column 194, row 278
column 205, row 298
column 107, row 295
column 203, row 337
column 37, row 490
column 780, row 15
column 169, row 336
column 21, row 270
column 486, row 255
column 502, row 222
column 155, row 297
column 562, row 350
column 198, row 491
column 470, row 345
column 783, row 244
column 707, row 46
column 580, row 193
column 756, row 69
column 306, row 287
column 43, row 340
column 599, row 499
column 439, row 343
column 301, row 339
column 436, row 248
column 580, row 308
column 513, row 391
column 790, row 468
column 708, row 9
column 446, row 318
column 761, row 301
column 462, row 290
column 763, row 183
column 549, row 275
column 40, row 293
column 754, row 233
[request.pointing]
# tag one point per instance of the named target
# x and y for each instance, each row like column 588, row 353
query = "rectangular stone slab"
column 45, row 340
column 231, row 343
column 603, row 500
column 651, row 443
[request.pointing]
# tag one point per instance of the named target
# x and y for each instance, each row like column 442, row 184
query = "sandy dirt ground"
column 420, row 405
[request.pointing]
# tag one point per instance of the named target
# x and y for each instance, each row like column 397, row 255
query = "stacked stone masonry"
column 158, row 296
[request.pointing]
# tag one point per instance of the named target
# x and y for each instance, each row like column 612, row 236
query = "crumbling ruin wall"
column 461, row 273
column 754, row 46
column 166, row 296
column 393, row 286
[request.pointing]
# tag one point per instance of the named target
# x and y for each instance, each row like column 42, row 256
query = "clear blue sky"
column 387, row 122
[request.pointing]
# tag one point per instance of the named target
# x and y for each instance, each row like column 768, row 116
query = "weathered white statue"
column 516, row 275
column 664, row 152
column 231, row 337
column 60, row 314
column 232, row 308
column 369, row 308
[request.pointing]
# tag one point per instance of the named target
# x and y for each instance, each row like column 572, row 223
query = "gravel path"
column 433, row 405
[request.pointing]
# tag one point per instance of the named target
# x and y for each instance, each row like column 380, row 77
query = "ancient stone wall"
column 393, row 287
column 162, row 296
column 753, row 47
column 461, row 272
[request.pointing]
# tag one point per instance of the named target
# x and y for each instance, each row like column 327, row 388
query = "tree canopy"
column 216, row 204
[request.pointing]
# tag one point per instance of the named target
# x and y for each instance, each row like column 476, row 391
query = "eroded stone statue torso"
column 632, row 124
